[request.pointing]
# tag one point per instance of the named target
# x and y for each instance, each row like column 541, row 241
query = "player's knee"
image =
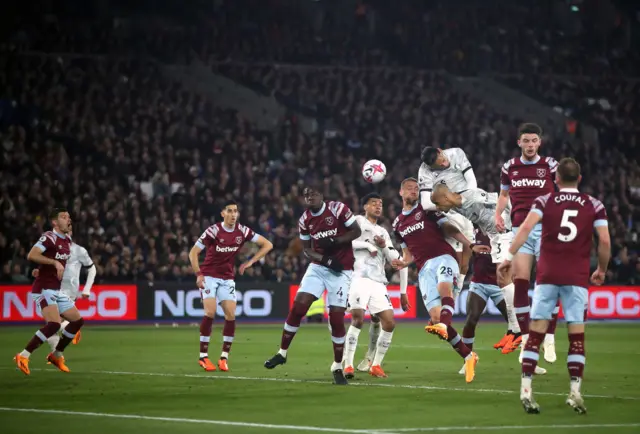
column 53, row 327
column 300, row 309
column 472, row 322
column 79, row 322
column 336, row 320
column 357, row 321
column 388, row 325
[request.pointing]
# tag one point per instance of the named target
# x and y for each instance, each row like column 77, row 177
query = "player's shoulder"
column 304, row 218
column 509, row 164
column 360, row 219
column 594, row 201
column 243, row 228
column 47, row 236
column 397, row 221
column 455, row 153
column 338, row 208
column 549, row 161
column 212, row 231
column 424, row 170
column 542, row 200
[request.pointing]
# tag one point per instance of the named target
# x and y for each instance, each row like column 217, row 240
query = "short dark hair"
column 429, row 155
column 569, row 170
column 313, row 186
column 410, row 179
column 53, row 215
column 365, row 200
column 228, row 202
column 529, row 128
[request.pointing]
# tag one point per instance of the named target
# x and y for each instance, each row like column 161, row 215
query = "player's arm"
column 425, row 182
column 503, row 198
column 198, row 247
column 265, row 247
column 451, row 231
column 533, row 218
column 364, row 245
column 604, row 251
column 87, row 262
column 36, row 255
column 353, row 232
column 467, row 170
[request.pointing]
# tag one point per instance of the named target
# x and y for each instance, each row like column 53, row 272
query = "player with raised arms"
column 568, row 219
column 372, row 250
column 327, row 230
column 215, row 277
column 71, row 282
column 51, row 252
column 452, row 168
column 522, row 180
column 422, row 236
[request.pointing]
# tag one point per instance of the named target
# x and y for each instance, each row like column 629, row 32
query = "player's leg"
column 380, row 304
column 374, row 333
column 358, row 301
column 500, row 244
column 574, row 299
column 463, row 255
column 549, row 344
column 338, row 285
column 47, row 305
column 311, row 288
column 476, row 302
column 69, row 312
column 545, row 298
column 226, row 296
column 208, row 295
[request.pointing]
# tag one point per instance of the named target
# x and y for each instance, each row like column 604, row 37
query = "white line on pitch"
column 194, row 421
column 510, row 427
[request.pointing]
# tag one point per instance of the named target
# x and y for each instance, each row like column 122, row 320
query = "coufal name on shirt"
column 568, row 198
column 226, row 249
column 325, row 234
column 528, row 182
column 412, row 228
column 63, row 257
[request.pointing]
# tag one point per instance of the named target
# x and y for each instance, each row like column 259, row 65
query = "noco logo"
column 614, row 302
column 253, row 303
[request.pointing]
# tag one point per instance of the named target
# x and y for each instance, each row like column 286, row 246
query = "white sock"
column 224, row 355
column 549, row 338
column 509, row 294
column 374, row 332
column 525, row 384
column 382, row 346
column 335, row 366
column 63, row 324
column 202, row 355
column 53, row 341
column 283, row 353
column 58, row 354
column 575, row 386
column 350, row 345
column 25, row 353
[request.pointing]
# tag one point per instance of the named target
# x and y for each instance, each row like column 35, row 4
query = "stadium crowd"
column 143, row 164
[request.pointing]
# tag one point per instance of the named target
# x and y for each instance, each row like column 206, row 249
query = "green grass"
column 113, row 372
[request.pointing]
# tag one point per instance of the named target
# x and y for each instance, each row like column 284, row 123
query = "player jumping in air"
column 215, row 277
column 71, row 283
column 368, row 290
column 522, row 180
column 478, row 206
column 452, row 168
column 52, row 251
column 422, row 234
column 327, row 230
column 568, row 219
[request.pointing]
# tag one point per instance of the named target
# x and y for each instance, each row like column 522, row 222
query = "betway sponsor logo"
column 62, row 257
column 226, row 249
column 325, row 234
column 528, row 182
column 412, row 228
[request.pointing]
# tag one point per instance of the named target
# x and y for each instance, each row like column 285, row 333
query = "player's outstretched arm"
column 91, row 277
column 503, row 201
column 364, row 245
column 470, row 177
column 425, row 201
column 451, row 231
column 604, row 254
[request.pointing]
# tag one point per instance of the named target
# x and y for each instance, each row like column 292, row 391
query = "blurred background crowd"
column 94, row 117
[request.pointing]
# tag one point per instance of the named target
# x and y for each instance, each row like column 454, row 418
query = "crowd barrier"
column 267, row 301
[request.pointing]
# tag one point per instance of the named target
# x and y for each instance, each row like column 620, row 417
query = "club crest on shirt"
column 418, row 215
column 239, row 240
column 541, row 172
column 328, row 220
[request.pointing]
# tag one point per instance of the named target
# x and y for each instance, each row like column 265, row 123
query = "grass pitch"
column 146, row 380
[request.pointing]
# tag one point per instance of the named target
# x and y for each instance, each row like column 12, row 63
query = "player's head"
column 372, row 204
column 529, row 140
column 568, row 173
column 230, row 212
column 434, row 158
column 60, row 220
column 313, row 197
column 409, row 191
column 443, row 197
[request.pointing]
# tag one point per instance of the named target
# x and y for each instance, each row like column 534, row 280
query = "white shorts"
column 500, row 244
column 317, row 278
column 365, row 292
column 49, row 297
column 219, row 289
column 437, row 270
column 464, row 225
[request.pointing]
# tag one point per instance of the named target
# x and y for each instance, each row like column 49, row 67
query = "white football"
column 374, row 171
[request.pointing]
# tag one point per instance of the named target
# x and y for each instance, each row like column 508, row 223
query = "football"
column 374, row 171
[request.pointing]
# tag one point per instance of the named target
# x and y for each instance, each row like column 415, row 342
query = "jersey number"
column 567, row 223
column 446, row 270
column 339, row 293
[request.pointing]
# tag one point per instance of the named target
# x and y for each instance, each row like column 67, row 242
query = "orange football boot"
column 206, row 364
column 502, row 342
column 512, row 345
column 470, row 367
column 222, row 364
column 439, row 330
column 22, row 363
column 349, row 372
column 58, row 362
column 377, row 371
column 76, row 338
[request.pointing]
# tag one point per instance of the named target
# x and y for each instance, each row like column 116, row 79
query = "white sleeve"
column 404, row 280
column 84, row 258
column 91, row 276
column 470, row 177
column 363, row 245
column 389, row 252
column 425, row 178
column 425, row 201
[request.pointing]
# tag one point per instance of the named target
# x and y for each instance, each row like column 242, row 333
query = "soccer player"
column 422, row 235
column 223, row 241
column 71, row 282
column 51, row 252
column 522, row 180
column 372, row 250
column 478, row 206
column 568, row 218
column 452, row 168
column 327, row 230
